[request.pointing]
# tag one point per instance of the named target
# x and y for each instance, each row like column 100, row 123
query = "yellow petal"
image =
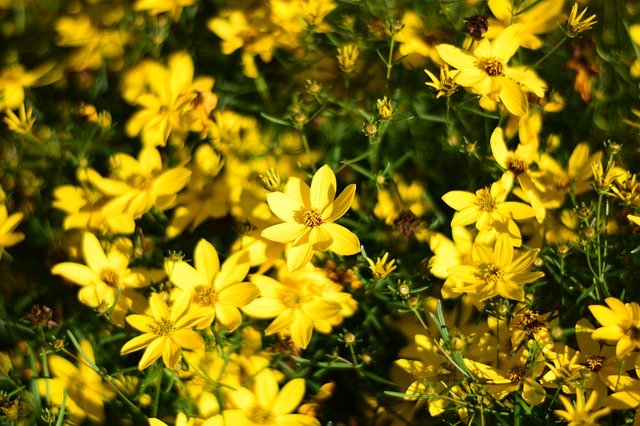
column 158, row 306
column 289, row 397
column 206, row 260
column 341, row 204
column 610, row 333
column 323, row 188
column 470, row 215
column 320, row 239
column 298, row 256
column 513, row 97
column 76, row 272
column 301, row 329
column 456, row 57
column 266, row 385
column 459, row 200
column 233, row 270
column 238, row 294
column 137, row 343
column 345, row 242
column 92, row 252
column 187, row 338
column 264, row 308
column 507, row 43
column 282, row 321
column 228, row 316
column 283, row 206
column 285, row 232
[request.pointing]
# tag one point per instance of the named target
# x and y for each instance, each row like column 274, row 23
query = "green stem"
column 549, row 53
column 601, row 228
column 390, row 58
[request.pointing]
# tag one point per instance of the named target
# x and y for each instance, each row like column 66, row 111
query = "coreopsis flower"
column 520, row 372
column 485, row 70
column 80, row 387
column 348, row 57
column 581, row 413
column 92, row 46
column 382, row 266
column 400, row 196
column 15, row 78
column 268, row 405
column 447, row 253
column 166, row 332
column 296, row 17
column 445, row 85
column 565, row 370
column 416, row 40
column 8, row 225
column 309, row 215
column 537, row 17
column 516, row 165
column 489, row 210
column 251, row 31
column 575, row 22
column 106, row 278
column 168, row 97
column 155, row 7
column 295, row 301
column 620, row 324
column 217, row 289
column 21, row 124
column 496, row 271
column 142, row 183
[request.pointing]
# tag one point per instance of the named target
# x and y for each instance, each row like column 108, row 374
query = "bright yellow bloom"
column 295, row 301
column 488, row 209
column 166, row 332
column 105, row 278
column 416, row 40
column 382, row 267
column 155, row 7
column 516, row 165
column 139, row 184
column 217, row 290
column 486, row 72
column 308, row 215
column 582, row 414
column 538, row 17
column 496, row 272
column 266, row 405
column 620, row 324
column 398, row 197
column 85, row 391
column 348, row 57
column 446, row 85
column 168, row 97
column 93, row 46
column 8, row 224
column 21, row 124
column 575, row 23
column 14, row 79
column 565, row 370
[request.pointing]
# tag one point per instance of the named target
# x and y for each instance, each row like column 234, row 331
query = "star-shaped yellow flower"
column 308, row 215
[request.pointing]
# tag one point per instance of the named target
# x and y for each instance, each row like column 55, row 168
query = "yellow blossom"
column 581, row 413
column 348, row 57
column 217, row 289
column 576, row 24
column 620, row 324
column 382, row 267
column 21, row 124
column 308, row 215
column 15, row 78
column 155, row 7
column 445, row 85
column 384, row 108
column 166, row 332
column 8, row 224
column 85, row 392
column 486, row 72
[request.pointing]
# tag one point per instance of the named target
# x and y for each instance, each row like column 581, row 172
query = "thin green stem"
column 549, row 53
column 390, row 58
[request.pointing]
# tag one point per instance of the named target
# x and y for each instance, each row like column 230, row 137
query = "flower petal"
column 323, row 188
column 283, row 206
column 289, row 397
column 345, row 242
column 206, row 260
column 341, row 204
column 285, row 232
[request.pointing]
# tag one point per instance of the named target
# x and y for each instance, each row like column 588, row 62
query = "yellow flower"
column 155, row 7
column 348, row 57
column 308, row 215
column 486, row 72
column 296, row 303
column 83, row 386
column 416, row 40
column 14, row 79
column 216, row 289
column 620, row 324
column 381, row 268
column 166, row 332
column 22, row 124
column 384, row 108
column 581, row 414
column 488, row 209
column 267, row 405
column 446, row 85
column 496, row 272
column 105, row 278
column 139, row 184
column 8, row 224
column 575, row 23
column 538, row 17
column 517, row 166
column 565, row 370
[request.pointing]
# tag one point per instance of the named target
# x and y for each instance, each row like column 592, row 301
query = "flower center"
column 292, row 301
column 516, row 373
column 486, row 201
column 489, row 272
column 516, row 165
column 163, row 327
column 492, row 66
column 633, row 332
column 205, row 295
column 260, row 416
column 109, row 277
column 594, row 362
column 143, row 183
column 309, row 217
column 528, row 322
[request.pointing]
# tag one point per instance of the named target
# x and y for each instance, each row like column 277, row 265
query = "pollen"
column 489, row 272
column 205, row 295
column 595, row 363
column 485, row 200
column 492, row 66
column 516, row 373
column 165, row 327
column 260, row 416
column 516, row 165
column 310, row 217
column 292, row 301
column 109, row 277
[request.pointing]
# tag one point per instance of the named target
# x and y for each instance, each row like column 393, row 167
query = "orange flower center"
column 310, row 217
column 516, row 373
column 492, row 66
column 260, row 416
column 205, row 295
column 595, row 362
column 109, row 277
